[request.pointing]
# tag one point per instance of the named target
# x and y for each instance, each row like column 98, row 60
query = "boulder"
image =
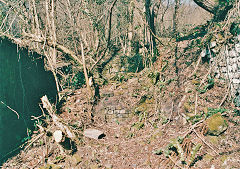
column 216, row 124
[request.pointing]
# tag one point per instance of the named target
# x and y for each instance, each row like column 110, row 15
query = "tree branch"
column 34, row 38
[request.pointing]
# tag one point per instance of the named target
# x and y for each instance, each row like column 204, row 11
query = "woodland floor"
column 154, row 113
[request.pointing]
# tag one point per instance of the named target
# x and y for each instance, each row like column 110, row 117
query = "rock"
column 214, row 50
column 238, row 37
column 233, row 60
column 234, row 67
column 237, row 47
column 236, row 81
column 58, row 136
column 93, row 133
column 108, row 166
column 216, row 124
column 224, row 70
column 122, row 111
column 204, row 53
column 212, row 167
column 213, row 44
column 233, row 53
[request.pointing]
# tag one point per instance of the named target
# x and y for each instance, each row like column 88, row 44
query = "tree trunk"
column 208, row 5
column 218, row 8
column 150, row 21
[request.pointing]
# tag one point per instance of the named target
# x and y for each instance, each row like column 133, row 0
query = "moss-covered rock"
column 216, row 124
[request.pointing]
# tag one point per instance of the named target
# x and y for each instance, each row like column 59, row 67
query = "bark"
column 218, row 8
column 208, row 5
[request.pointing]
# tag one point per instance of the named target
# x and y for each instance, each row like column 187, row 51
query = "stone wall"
column 226, row 63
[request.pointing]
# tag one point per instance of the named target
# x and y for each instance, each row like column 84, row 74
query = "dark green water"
column 23, row 81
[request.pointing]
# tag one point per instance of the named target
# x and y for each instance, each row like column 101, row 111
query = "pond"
column 23, row 81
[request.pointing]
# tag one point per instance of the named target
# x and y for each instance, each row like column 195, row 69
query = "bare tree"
column 150, row 21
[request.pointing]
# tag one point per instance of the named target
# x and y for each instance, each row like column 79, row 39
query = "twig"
column 196, row 100
column 193, row 127
column 44, row 115
column 205, row 77
column 3, row 1
column 223, row 100
column 196, row 67
column 10, row 109
column 181, row 102
column 205, row 142
column 170, row 115
column 174, row 162
column 32, row 141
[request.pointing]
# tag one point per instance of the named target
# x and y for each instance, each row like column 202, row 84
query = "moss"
column 141, row 108
column 208, row 157
column 139, row 125
column 188, row 108
column 150, row 101
column 119, row 92
column 195, row 82
column 76, row 159
column 216, row 124
column 224, row 158
column 124, row 86
column 124, row 130
column 213, row 139
column 157, row 135
column 154, row 76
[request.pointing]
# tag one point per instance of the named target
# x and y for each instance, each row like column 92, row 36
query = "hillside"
column 158, row 98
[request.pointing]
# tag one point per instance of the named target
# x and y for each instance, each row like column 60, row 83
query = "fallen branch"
column 56, row 120
column 42, row 40
column 193, row 128
column 10, row 109
column 205, row 142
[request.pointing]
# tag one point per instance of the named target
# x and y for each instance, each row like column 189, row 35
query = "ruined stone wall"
column 226, row 64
